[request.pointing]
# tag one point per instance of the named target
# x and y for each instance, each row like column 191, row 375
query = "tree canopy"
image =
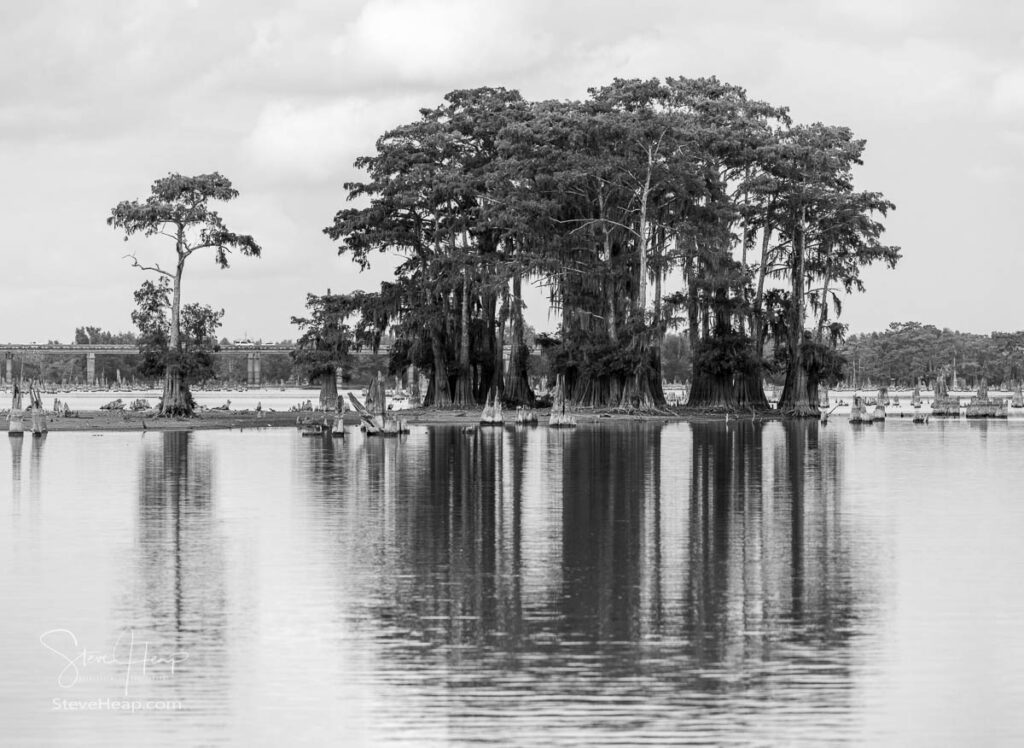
column 650, row 204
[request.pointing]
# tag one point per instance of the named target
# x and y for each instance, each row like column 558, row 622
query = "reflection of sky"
column 943, row 505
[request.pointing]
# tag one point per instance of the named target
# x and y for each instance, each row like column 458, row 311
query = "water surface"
column 616, row 584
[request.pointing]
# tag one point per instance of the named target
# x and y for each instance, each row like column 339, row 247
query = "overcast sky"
column 98, row 99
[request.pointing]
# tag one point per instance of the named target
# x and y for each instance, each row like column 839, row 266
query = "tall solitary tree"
column 178, row 208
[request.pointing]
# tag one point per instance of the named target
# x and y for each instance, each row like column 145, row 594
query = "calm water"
column 623, row 585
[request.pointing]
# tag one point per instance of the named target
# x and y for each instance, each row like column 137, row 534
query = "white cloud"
column 1007, row 99
column 914, row 80
column 282, row 95
column 436, row 41
column 315, row 141
column 889, row 14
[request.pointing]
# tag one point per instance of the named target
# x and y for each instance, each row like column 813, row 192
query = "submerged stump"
column 561, row 416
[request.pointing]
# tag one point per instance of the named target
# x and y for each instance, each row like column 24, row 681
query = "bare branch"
column 586, row 222
column 154, row 268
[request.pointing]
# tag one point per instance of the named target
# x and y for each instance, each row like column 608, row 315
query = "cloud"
column 282, row 96
column 1007, row 98
column 437, row 41
column 314, row 142
column 891, row 15
column 992, row 174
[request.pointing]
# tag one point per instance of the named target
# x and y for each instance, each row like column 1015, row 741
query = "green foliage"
column 725, row 354
column 197, row 341
column 90, row 335
column 178, row 207
column 822, row 362
column 910, row 351
column 676, row 358
column 598, row 200
column 327, row 337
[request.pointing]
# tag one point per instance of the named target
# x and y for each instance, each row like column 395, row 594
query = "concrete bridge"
column 253, row 352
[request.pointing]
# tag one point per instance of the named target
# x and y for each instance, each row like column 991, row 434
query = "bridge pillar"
column 10, row 367
column 90, row 368
column 253, row 364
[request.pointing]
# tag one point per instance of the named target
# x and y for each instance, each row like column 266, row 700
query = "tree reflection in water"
column 17, row 445
column 747, row 541
column 177, row 603
column 636, row 561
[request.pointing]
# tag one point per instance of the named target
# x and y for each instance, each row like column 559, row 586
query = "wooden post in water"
column 374, row 414
column 38, row 412
column 15, row 425
column 492, row 414
column 944, row 404
column 561, row 416
column 883, row 395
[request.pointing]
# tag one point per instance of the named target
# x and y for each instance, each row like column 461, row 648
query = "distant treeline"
column 911, row 351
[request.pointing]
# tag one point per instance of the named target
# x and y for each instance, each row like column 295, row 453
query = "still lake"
column 618, row 584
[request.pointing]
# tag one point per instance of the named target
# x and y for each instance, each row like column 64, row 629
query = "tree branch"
column 586, row 222
column 154, row 268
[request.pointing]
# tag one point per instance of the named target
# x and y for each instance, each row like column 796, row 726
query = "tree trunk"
column 757, row 311
column 464, row 383
column 641, row 296
column 438, row 393
column 710, row 391
column 610, row 287
column 492, row 374
column 823, row 316
column 692, row 312
column 750, row 391
column 329, row 391
column 799, row 394
column 498, row 383
column 750, row 384
column 517, row 380
column 643, row 389
column 744, row 241
column 177, row 400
